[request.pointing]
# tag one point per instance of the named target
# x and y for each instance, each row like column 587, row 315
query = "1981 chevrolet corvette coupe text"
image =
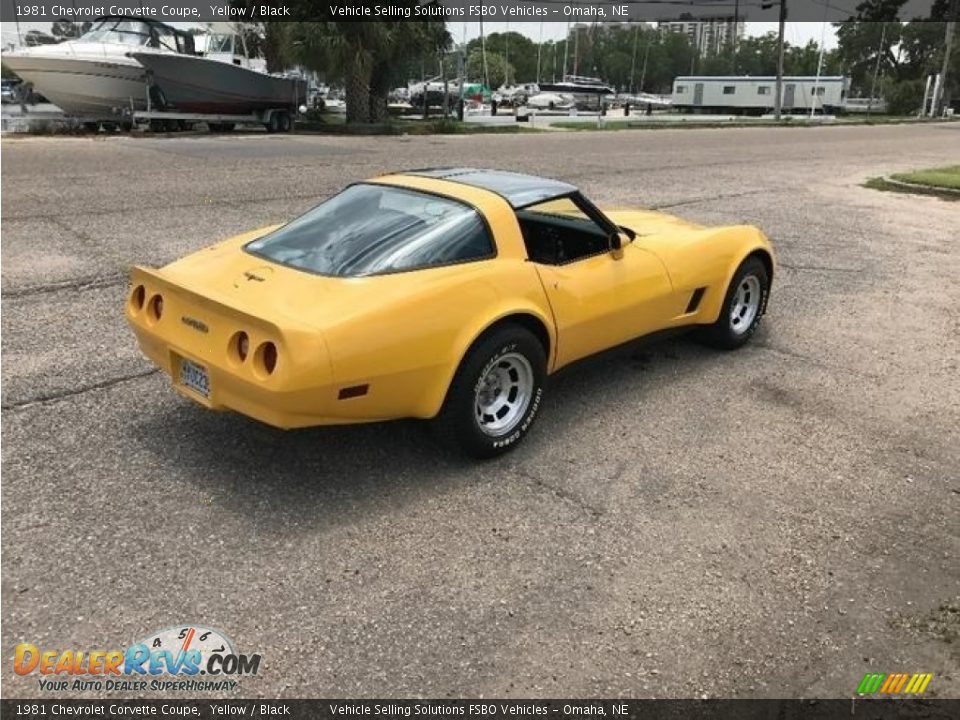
column 448, row 294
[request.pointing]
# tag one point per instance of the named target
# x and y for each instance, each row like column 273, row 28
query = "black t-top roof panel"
column 518, row 189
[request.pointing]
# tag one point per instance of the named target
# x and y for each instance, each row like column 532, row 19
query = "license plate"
column 195, row 377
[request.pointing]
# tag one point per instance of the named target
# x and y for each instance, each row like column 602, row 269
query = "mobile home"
column 755, row 95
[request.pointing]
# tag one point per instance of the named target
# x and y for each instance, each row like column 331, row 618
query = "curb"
column 919, row 187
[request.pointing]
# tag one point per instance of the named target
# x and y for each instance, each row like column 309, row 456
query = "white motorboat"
column 587, row 92
column 551, row 101
column 93, row 76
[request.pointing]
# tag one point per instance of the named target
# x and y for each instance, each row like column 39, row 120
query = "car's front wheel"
column 743, row 307
column 496, row 393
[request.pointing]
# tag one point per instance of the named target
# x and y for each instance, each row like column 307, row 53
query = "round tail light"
column 268, row 357
column 156, row 307
column 137, row 297
column 243, row 346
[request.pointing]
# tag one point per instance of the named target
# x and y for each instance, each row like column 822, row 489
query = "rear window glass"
column 374, row 229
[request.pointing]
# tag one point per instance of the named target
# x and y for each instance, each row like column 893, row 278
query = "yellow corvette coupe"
column 448, row 294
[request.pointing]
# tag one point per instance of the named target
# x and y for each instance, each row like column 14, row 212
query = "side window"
column 558, row 232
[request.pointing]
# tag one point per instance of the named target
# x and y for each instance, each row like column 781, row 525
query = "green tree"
column 903, row 97
column 874, row 43
column 426, row 40
column 269, row 41
column 804, row 60
column 670, row 55
column 515, row 48
column 497, row 68
column 758, row 55
column 865, row 48
column 365, row 56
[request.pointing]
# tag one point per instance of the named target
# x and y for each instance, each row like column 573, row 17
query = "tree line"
column 882, row 56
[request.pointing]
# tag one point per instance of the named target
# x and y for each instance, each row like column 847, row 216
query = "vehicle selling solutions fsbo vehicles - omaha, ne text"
column 447, row 293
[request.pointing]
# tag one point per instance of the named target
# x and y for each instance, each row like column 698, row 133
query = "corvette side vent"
column 352, row 392
column 695, row 299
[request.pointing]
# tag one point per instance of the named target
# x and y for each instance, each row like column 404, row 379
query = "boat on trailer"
column 93, row 77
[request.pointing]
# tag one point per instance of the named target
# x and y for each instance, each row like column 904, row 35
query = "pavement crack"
column 81, row 284
column 561, row 494
column 812, row 360
column 62, row 394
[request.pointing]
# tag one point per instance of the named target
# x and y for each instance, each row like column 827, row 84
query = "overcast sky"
column 797, row 33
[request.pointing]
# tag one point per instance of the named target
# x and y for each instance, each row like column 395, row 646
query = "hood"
column 650, row 222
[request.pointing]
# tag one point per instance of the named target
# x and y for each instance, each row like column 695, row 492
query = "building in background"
column 755, row 95
column 707, row 35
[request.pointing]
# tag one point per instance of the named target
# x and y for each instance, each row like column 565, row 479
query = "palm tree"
column 365, row 56
column 341, row 50
column 400, row 43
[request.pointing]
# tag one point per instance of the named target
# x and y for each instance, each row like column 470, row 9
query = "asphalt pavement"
column 773, row 522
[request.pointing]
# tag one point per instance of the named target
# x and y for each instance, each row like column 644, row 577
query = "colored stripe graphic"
column 889, row 683
column 894, row 683
column 870, row 683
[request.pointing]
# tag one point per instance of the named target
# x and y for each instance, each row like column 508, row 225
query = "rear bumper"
column 273, row 405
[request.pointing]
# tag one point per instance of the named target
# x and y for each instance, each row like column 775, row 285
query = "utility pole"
column 778, row 101
column 633, row 62
column 506, row 58
column 539, row 50
column 576, row 47
column 566, row 45
column 947, row 48
column 483, row 54
column 876, row 68
column 816, row 83
column 643, row 70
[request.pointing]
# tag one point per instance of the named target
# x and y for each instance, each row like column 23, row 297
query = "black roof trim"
column 516, row 188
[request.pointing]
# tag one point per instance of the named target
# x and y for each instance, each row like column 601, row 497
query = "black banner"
column 849, row 709
column 513, row 11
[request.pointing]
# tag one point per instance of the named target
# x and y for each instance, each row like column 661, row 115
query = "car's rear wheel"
column 743, row 307
column 495, row 394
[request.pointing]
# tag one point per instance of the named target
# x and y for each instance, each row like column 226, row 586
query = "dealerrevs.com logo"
column 185, row 657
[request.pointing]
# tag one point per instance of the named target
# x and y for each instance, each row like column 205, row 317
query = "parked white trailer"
column 755, row 95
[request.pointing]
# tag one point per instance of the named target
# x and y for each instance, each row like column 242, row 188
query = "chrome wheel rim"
column 503, row 394
column 746, row 304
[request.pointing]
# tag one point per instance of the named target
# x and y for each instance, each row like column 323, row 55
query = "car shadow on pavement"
column 327, row 474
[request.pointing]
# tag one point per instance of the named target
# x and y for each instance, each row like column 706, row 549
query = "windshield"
column 220, row 44
column 130, row 32
column 373, row 229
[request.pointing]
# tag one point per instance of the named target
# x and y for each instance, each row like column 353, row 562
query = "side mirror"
column 616, row 242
